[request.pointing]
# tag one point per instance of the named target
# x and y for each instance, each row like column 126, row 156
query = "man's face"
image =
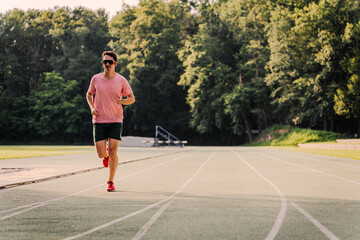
column 109, row 63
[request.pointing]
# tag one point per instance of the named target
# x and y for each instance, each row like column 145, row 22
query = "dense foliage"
column 285, row 135
column 208, row 71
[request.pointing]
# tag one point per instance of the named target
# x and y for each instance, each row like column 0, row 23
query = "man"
column 109, row 88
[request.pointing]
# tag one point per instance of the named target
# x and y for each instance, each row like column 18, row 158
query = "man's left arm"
column 130, row 99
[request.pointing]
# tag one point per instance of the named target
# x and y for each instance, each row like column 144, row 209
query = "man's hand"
column 89, row 99
column 118, row 101
column 94, row 111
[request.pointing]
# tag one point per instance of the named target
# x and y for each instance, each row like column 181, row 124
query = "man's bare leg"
column 101, row 148
column 113, row 162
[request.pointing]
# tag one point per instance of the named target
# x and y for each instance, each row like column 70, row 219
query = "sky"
column 111, row 6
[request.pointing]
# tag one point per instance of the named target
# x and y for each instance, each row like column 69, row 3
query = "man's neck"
column 109, row 75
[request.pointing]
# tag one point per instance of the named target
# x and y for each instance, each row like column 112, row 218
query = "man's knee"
column 102, row 154
column 113, row 152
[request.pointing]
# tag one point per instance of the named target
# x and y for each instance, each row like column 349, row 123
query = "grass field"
column 7, row 152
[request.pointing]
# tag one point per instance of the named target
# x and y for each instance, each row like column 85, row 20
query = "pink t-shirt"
column 107, row 91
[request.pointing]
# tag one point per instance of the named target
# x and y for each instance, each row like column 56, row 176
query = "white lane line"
column 144, row 209
column 281, row 216
column 40, row 204
column 312, row 170
column 322, row 228
column 12, row 185
column 152, row 220
column 62, row 197
column 20, row 207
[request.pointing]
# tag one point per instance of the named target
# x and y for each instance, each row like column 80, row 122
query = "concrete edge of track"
column 12, row 185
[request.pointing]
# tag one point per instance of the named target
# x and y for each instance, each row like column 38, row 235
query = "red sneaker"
column 111, row 186
column 106, row 159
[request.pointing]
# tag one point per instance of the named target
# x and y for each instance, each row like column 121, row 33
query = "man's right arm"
column 90, row 101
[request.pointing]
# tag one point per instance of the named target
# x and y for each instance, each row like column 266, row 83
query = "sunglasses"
column 111, row 62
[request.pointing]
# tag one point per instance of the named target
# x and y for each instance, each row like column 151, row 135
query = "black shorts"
column 103, row 131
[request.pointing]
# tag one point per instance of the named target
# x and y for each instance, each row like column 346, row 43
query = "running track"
column 194, row 193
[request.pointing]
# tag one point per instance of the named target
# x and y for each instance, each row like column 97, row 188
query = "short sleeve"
column 126, row 88
column 92, row 86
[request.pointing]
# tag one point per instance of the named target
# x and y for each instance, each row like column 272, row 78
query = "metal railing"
column 171, row 139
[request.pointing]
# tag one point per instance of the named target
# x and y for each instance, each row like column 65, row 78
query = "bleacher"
column 168, row 139
column 151, row 143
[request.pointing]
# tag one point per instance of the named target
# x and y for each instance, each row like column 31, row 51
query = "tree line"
column 207, row 71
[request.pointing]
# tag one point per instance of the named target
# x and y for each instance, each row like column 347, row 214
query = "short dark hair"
column 111, row 54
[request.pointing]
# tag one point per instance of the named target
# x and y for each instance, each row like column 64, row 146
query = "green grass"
column 298, row 135
column 283, row 135
column 7, row 152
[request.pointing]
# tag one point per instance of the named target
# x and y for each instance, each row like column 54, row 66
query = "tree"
column 25, row 48
column 208, row 58
column 248, row 20
column 305, row 64
column 347, row 97
column 81, row 35
column 54, row 107
column 219, row 68
column 238, row 106
column 225, row 68
column 147, row 39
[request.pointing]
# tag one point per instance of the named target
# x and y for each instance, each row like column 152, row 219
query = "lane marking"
column 322, row 228
column 152, row 220
column 144, row 209
column 12, row 185
column 40, row 204
column 20, row 207
column 281, row 216
column 312, row 170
